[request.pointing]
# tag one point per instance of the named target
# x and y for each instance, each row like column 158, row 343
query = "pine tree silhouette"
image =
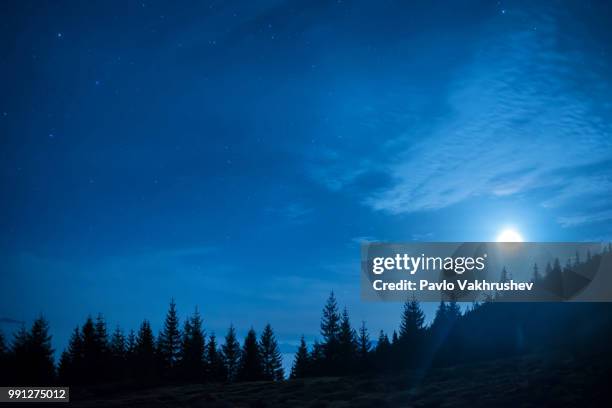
column 101, row 335
column 231, row 354
column 330, row 331
column 301, row 361
column 40, row 364
column 214, row 361
column 412, row 322
column 71, row 361
column 250, row 365
column 271, row 358
column 102, row 349
column 317, row 359
column 453, row 311
column 130, row 343
column 144, row 354
column 394, row 338
column 382, row 343
column 440, row 326
column 32, row 355
column 118, row 354
column 347, row 344
column 93, row 360
column 364, row 346
column 169, row 342
column 364, row 343
column 382, row 352
column 19, row 356
column 536, row 274
column 130, row 354
column 193, row 349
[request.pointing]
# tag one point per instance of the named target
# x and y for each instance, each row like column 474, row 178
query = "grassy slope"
column 529, row 381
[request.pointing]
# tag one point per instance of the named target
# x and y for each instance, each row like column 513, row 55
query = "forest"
column 185, row 353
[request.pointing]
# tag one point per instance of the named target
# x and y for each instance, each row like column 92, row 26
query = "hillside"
column 528, row 381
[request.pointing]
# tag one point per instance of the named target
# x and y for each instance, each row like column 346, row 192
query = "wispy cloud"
column 514, row 122
column 523, row 115
column 580, row 219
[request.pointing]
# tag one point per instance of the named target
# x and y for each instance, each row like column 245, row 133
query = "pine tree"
column 19, row 356
column 92, row 358
column 194, row 347
column 536, row 274
column 118, row 347
column 231, row 354
column 548, row 269
column 130, row 345
column 554, row 279
column 101, row 335
column 505, row 276
column 102, row 348
column 214, row 361
column 383, row 343
column 130, row 354
column 347, row 344
column 440, row 319
column 271, row 358
column 363, row 348
column 453, row 311
column 64, row 368
column 301, row 361
column 412, row 322
column 71, row 361
column 118, row 354
column 317, row 359
column 250, row 365
column 330, row 330
column 330, row 322
column 144, row 353
column 364, row 343
column 382, row 352
column 41, row 368
column 169, row 343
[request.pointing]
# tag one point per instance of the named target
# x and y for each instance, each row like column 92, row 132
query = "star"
column 60, row 35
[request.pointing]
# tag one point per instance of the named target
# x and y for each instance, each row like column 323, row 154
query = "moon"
column 509, row 235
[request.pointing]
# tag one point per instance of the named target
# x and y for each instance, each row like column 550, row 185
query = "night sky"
column 233, row 155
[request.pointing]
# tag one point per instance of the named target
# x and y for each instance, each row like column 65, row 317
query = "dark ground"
column 532, row 381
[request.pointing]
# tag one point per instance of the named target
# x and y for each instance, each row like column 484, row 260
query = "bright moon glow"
column 509, row 235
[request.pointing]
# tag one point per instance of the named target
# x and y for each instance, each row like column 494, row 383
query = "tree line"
column 485, row 330
column 177, row 354
column 482, row 330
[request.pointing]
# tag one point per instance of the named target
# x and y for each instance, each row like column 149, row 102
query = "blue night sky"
column 233, row 155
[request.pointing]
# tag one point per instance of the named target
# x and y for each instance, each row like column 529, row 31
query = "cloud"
column 523, row 115
column 580, row 219
column 514, row 121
